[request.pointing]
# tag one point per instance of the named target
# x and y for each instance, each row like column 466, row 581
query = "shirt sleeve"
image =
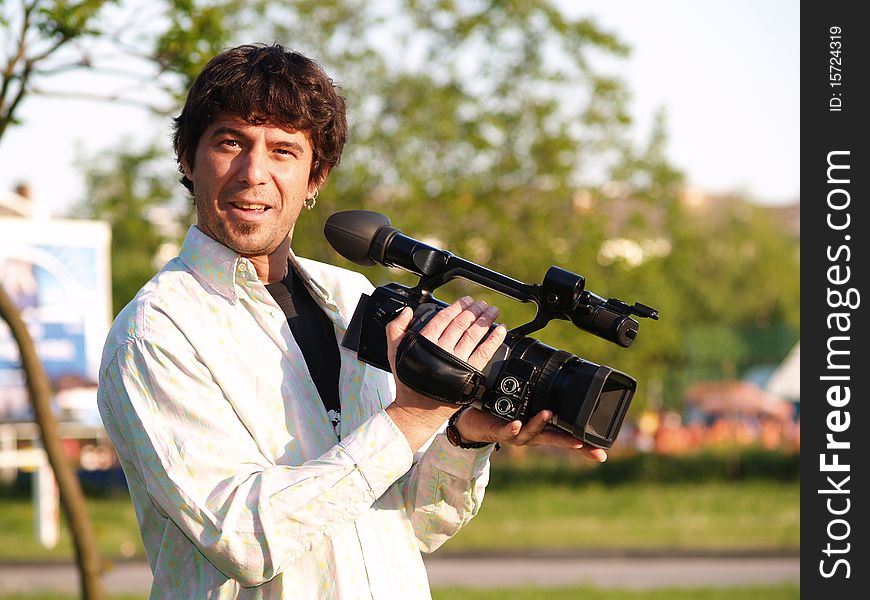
column 204, row 471
column 444, row 490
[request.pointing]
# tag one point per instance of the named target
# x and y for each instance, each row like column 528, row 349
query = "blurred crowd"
column 669, row 432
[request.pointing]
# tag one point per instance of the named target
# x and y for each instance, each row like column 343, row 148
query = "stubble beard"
column 248, row 239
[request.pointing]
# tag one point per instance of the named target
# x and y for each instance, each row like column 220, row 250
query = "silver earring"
column 312, row 201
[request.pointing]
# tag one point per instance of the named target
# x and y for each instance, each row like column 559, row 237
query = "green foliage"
column 738, row 275
column 34, row 33
column 467, row 121
column 62, row 20
column 196, row 32
column 125, row 187
column 746, row 464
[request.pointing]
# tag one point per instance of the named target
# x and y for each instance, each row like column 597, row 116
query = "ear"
column 314, row 186
column 185, row 167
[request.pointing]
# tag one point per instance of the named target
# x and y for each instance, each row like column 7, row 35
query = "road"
column 631, row 572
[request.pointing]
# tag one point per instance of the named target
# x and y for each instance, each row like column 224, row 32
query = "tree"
column 36, row 32
column 488, row 129
column 738, row 278
column 467, row 120
column 71, row 496
column 151, row 49
column 478, row 126
column 127, row 187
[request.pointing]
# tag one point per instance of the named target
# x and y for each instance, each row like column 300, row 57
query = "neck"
column 273, row 267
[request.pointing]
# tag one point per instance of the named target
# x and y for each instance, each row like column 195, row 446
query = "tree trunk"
column 71, row 496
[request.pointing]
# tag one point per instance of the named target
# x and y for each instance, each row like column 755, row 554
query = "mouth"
column 250, row 207
column 248, row 211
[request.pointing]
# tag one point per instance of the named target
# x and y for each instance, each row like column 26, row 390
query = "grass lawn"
column 756, row 515
column 750, row 515
column 113, row 520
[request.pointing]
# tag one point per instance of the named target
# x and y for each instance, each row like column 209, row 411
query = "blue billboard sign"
column 57, row 274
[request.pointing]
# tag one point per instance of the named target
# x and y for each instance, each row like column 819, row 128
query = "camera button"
column 509, row 385
column 503, row 406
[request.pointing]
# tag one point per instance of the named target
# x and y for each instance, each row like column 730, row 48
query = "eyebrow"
column 295, row 146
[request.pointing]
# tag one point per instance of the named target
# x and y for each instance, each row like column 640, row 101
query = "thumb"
column 394, row 330
column 485, row 427
column 508, row 431
column 399, row 325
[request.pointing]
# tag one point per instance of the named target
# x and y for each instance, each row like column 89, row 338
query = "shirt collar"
column 221, row 268
column 213, row 263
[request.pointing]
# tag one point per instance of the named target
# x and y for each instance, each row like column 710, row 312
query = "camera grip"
column 430, row 370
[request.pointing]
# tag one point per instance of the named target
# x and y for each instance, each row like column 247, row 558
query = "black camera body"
column 525, row 376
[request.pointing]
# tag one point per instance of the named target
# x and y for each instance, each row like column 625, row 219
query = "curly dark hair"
column 265, row 84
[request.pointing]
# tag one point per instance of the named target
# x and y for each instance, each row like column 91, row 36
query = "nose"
column 253, row 169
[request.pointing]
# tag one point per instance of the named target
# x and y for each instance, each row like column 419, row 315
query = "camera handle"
column 450, row 267
column 560, row 296
column 368, row 238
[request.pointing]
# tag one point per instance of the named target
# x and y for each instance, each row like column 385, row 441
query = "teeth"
column 245, row 206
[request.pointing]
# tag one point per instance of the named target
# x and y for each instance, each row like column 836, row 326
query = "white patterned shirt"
column 240, row 485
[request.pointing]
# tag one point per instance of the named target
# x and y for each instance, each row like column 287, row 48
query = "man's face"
column 249, row 183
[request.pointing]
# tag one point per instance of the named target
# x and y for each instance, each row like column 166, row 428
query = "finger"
column 485, row 427
column 436, row 325
column 472, row 336
column 533, row 428
column 554, row 438
column 459, row 325
column 486, row 350
column 596, row 454
column 395, row 329
column 504, row 432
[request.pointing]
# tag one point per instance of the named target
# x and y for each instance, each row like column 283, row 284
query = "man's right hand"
column 459, row 329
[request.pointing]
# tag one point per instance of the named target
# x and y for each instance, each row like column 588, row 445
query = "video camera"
column 525, row 376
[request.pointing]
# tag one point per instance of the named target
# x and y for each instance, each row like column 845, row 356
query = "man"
column 262, row 458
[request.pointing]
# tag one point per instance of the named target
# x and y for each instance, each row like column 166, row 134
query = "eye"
column 230, row 143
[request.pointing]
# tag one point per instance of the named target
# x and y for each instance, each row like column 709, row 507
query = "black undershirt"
column 315, row 335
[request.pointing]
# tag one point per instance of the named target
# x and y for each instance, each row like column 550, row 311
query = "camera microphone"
column 352, row 232
column 368, row 238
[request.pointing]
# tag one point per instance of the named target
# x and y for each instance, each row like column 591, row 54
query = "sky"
column 727, row 75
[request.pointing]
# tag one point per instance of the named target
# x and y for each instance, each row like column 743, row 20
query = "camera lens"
column 589, row 401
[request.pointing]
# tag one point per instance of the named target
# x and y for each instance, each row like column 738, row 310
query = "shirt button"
column 241, row 267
